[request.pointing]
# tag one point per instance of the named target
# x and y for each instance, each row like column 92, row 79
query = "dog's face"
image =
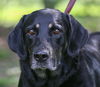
column 45, row 37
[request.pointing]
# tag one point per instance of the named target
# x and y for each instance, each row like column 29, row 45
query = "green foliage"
column 13, row 10
column 87, row 10
column 82, row 10
column 90, row 23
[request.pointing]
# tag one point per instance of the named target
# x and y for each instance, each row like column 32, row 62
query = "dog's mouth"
column 43, row 68
column 50, row 64
column 45, row 72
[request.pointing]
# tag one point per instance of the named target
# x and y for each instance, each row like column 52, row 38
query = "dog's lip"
column 41, row 68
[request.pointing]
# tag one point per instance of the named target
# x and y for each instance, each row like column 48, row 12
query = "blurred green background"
column 87, row 12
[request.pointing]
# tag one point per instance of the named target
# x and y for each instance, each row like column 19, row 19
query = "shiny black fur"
column 73, row 55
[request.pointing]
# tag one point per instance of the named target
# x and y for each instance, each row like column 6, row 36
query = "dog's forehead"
column 44, row 18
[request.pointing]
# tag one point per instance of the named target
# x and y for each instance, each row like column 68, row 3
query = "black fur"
column 72, row 54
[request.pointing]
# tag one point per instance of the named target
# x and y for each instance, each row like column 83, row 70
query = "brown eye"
column 56, row 31
column 31, row 32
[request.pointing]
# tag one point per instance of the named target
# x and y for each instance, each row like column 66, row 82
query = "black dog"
column 55, row 50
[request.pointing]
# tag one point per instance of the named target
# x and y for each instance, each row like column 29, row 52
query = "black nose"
column 41, row 56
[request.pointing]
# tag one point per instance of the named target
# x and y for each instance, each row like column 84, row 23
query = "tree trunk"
column 50, row 3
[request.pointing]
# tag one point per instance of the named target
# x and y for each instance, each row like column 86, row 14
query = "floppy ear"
column 77, row 36
column 16, row 40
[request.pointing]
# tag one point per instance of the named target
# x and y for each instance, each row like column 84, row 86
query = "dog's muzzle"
column 44, row 60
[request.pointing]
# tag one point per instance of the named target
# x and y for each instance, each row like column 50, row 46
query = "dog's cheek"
column 60, row 41
column 57, row 46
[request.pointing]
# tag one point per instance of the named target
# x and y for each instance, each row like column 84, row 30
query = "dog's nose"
column 41, row 56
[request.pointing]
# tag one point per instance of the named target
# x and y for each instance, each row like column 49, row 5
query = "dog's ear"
column 77, row 36
column 16, row 40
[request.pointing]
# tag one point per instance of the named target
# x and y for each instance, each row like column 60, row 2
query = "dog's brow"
column 37, row 25
column 50, row 25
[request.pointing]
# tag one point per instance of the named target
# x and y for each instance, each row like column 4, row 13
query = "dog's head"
column 46, row 37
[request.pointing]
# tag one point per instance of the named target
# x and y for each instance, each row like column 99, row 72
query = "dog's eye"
column 31, row 32
column 56, row 31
